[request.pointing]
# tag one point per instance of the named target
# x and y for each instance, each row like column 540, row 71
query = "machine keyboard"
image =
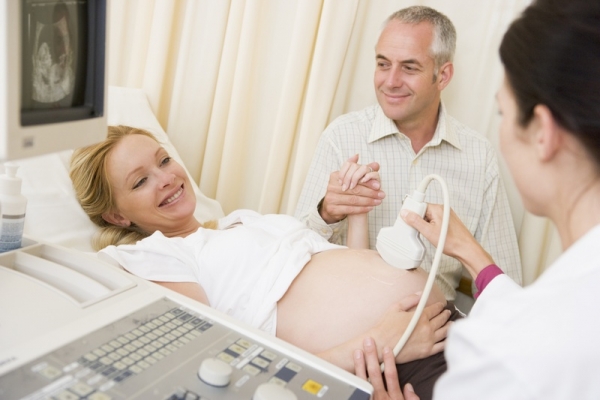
column 156, row 352
column 133, row 352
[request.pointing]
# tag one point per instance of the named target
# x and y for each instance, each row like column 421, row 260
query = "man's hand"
column 354, row 189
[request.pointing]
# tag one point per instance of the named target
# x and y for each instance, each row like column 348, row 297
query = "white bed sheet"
column 53, row 214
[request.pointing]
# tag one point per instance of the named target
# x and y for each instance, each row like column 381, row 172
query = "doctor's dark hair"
column 551, row 56
column 93, row 189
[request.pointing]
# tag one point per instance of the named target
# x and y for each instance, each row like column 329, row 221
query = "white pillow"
column 53, row 214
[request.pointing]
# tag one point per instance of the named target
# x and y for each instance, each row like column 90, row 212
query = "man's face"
column 404, row 74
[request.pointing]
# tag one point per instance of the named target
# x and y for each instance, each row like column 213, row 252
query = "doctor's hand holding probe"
column 541, row 341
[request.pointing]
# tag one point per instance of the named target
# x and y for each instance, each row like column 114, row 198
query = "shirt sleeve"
column 326, row 159
column 495, row 230
column 485, row 277
column 152, row 261
column 329, row 232
column 476, row 353
column 473, row 370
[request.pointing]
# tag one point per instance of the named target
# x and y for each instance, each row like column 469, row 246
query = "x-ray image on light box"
column 54, row 54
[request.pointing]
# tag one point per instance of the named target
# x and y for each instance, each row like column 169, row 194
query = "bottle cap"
column 10, row 183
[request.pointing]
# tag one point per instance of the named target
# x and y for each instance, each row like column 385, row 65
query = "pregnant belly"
column 342, row 293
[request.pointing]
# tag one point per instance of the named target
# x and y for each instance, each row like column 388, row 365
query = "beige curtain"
column 244, row 88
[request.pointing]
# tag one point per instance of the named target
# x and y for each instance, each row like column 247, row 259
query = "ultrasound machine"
column 75, row 327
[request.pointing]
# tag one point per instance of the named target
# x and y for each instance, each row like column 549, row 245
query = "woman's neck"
column 580, row 214
column 184, row 230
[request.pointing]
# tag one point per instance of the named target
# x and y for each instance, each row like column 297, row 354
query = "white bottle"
column 12, row 207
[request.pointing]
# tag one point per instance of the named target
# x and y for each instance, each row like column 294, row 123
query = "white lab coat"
column 538, row 342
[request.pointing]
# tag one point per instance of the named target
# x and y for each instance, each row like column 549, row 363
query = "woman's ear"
column 549, row 135
column 115, row 218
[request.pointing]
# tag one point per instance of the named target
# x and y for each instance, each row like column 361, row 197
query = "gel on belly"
column 12, row 208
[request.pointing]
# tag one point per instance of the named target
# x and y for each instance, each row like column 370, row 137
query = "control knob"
column 272, row 391
column 215, row 372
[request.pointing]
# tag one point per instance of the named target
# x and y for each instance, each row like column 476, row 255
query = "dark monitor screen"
column 62, row 60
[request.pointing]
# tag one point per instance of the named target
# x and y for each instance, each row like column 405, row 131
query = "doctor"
column 539, row 342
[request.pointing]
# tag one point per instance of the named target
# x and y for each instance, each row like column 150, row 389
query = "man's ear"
column 445, row 75
column 548, row 135
column 115, row 218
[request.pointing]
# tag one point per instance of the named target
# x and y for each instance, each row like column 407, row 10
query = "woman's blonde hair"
column 93, row 189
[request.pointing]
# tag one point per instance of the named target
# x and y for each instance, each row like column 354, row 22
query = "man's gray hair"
column 444, row 34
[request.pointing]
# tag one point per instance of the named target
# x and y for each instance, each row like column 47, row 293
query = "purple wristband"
column 485, row 276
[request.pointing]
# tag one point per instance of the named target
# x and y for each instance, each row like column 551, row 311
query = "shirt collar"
column 383, row 126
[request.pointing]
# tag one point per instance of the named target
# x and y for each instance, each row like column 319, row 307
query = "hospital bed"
column 73, row 327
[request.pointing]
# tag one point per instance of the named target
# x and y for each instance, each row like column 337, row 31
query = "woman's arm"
column 352, row 174
column 427, row 338
column 460, row 243
column 358, row 231
column 192, row 290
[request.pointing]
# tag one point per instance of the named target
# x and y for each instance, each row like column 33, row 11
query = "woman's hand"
column 366, row 366
column 354, row 189
column 428, row 336
column 352, row 173
column 459, row 244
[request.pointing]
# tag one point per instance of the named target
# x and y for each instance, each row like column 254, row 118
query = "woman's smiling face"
column 150, row 189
